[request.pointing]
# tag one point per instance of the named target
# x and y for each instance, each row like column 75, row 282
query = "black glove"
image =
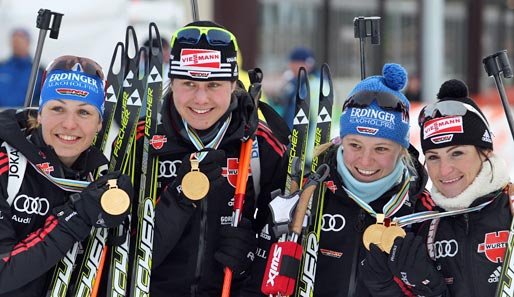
column 87, row 203
column 237, row 247
column 376, row 275
column 210, row 166
column 409, row 262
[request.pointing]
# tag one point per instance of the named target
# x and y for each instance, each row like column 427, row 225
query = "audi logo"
column 31, row 205
column 332, row 222
column 168, row 168
column 446, row 248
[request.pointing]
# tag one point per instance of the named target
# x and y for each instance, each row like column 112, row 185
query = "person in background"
column 49, row 200
column 298, row 57
column 460, row 251
column 413, row 91
column 15, row 72
column 206, row 116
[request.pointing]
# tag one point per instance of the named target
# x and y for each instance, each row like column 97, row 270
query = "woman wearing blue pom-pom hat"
column 375, row 179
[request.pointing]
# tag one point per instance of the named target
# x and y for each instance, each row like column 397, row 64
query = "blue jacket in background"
column 14, row 80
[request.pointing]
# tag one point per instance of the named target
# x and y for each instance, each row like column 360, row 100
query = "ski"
column 134, row 90
column 299, row 134
column 142, row 255
column 311, row 235
column 124, row 114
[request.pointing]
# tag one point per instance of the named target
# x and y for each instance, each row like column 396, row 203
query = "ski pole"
column 194, row 10
column 43, row 23
column 242, row 178
column 494, row 65
column 366, row 27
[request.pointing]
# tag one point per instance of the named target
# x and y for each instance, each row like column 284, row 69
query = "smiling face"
column 201, row 103
column 69, row 126
column 452, row 169
column 370, row 158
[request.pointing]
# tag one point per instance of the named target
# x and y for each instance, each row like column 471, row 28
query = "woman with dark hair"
column 460, row 250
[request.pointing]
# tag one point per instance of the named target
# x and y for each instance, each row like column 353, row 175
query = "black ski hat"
column 455, row 119
column 199, row 55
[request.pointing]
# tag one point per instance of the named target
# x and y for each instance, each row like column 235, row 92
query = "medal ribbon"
column 197, row 142
column 390, row 207
column 428, row 215
column 68, row 185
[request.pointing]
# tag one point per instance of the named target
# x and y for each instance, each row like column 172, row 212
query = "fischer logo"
column 120, row 273
column 65, row 269
column 309, row 265
column 275, row 261
column 292, row 151
column 144, row 251
column 88, row 276
column 446, row 125
column 494, row 246
column 200, row 58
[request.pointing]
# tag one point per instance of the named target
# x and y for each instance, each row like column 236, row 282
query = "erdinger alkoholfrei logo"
column 494, row 246
column 230, row 172
column 158, row 141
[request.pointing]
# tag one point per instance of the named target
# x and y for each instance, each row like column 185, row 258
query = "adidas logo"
column 487, row 137
column 495, row 276
column 265, row 232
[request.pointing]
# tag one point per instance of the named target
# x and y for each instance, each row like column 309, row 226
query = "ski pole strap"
column 282, row 269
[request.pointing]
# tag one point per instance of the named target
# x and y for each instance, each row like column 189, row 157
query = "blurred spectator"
column 413, row 90
column 301, row 57
column 15, row 72
column 298, row 57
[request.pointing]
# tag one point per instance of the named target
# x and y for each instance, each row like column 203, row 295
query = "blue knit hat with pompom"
column 362, row 112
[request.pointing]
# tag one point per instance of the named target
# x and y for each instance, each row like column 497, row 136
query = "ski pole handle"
column 43, row 23
column 366, row 27
column 494, row 65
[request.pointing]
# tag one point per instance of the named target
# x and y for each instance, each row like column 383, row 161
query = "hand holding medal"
column 114, row 201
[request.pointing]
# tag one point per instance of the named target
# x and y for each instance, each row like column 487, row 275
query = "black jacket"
column 340, row 249
column 469, row 248
column 186, row 236
column 32, row 239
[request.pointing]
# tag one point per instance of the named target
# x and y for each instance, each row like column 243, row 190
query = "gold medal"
column 195, row 184
column 114, row 201
column 389, row 235
column 373, row 234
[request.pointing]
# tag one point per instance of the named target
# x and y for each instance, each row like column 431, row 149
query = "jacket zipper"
column 201, row 248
